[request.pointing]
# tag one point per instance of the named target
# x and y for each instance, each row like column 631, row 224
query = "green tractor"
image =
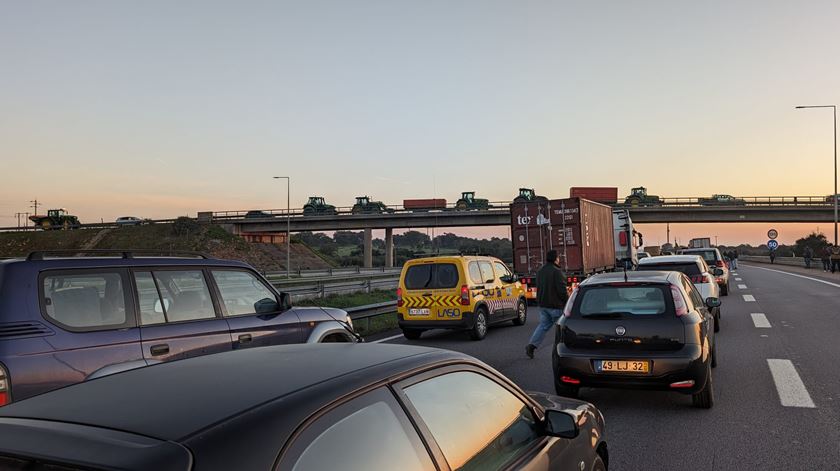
column 469, row 201
column 316, row 206
column 56, row 219
column 365, row 206
column 640, row 197
column 528, row 194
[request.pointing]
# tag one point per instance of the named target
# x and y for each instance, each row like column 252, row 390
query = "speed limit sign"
column 772, row 234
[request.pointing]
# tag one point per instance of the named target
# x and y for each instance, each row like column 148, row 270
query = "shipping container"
column 599, row 194
column 581, row 231
column 424, row 204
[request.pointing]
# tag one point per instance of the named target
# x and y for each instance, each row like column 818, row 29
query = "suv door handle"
column 245, row 338
column 160, row 349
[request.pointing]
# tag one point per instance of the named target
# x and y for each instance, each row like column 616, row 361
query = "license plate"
column 624, row 366
column 419, row 312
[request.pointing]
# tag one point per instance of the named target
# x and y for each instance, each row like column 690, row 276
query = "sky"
column 166, row 108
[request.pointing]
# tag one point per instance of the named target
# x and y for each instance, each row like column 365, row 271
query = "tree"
column 349, row 237
column 412, row 239
column 816, row 241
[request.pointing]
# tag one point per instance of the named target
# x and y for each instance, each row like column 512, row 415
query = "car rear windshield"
column 689, row 269
column 431, row 276
column 615, row 301
column 708, row 255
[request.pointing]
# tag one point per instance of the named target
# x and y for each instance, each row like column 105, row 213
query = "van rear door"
column 433, row 291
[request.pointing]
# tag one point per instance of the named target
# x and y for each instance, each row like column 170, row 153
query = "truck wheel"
column 479, row 328
column 521, row 313
column 412, row 334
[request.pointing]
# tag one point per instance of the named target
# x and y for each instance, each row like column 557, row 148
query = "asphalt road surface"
column 777, row 384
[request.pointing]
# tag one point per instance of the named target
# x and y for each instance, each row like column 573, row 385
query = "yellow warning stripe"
column 431, row 301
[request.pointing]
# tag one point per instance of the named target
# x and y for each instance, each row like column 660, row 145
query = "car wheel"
column 705, row 399
column 412, row 334
column 717, row 321
column 714, row 355
column 479, row 328
column 598, row 464
column 724, row 290
column 521, row 313
column 566, row 390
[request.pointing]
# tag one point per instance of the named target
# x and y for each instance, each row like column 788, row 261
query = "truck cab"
column 627, row 240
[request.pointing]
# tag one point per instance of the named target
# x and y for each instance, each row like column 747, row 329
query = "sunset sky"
column 166, row 108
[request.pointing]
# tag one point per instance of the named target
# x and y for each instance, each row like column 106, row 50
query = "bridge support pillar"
column 389, row 248
column 368, row 248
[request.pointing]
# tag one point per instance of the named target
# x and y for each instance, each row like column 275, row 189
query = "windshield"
column 689, row 269
column 710, row 256
column 637, row 300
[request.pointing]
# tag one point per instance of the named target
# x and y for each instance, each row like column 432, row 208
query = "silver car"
column 713, row 258
column 694, row 266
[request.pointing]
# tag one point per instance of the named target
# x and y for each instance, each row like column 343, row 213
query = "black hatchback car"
column 304, row 407
column 645, row 330
column 66, row 319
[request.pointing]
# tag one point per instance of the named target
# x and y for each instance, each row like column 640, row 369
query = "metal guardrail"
column 321, row 289
column 371, row 310
column 327, row 272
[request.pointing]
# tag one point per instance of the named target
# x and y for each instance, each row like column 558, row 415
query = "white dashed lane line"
column 749, row 298
column 742, row 286
column 388, row 338
column 760, row 320
column 792, row 392
column 738, row 279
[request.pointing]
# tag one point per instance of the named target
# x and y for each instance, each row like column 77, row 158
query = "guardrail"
column 816, row 263
column 371, row 310
column 326, row 272
column 321, row 289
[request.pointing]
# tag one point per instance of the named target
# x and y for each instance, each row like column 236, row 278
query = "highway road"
column 777, row 384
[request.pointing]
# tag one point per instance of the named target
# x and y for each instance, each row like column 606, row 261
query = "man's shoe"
column 529, row 350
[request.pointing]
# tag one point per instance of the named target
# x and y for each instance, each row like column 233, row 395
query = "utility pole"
column 35, row 205
column 668, row 234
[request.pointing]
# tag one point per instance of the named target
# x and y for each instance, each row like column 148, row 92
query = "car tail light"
column 699, row 279
column 5, row 395
column 719, row 263
column 465, row 295
column 683, row 384
column 622, row 239
column 569, row 380
column 567, row 310
column 399, row 297
column 572, row 280
column 525, row 281
column 679, row 302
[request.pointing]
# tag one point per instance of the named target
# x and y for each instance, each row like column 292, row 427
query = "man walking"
column 835, row 258
column 826, row 257
column 551, row 297
column 809, row 254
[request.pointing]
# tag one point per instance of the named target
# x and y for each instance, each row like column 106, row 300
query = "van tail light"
column 567, row 311
column 699, row 279
column 680, row 306
column 5, row 395
column 399, row 297
column 465, row 295
column 622, row 239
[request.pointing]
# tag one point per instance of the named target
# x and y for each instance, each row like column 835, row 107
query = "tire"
column 705, row 399
column 521, row 313
column 714, row 354
column 598, row 464
column 479, row 328
column 566, row 390
column 717, row 322
column 412, row 334
column 724, row 290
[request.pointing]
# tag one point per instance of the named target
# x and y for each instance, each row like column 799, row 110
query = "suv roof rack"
column 39, row 254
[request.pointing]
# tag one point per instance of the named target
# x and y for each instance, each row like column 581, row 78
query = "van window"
column 85, row 300
column 622, row 300
column 432, row 276
column 501, row 269
column 487, row 272
column 475, row 273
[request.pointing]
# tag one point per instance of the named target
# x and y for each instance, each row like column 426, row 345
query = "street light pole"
column 288, row 227
column 834, row 196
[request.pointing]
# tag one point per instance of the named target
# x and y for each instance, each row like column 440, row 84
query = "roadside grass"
column 365, row 327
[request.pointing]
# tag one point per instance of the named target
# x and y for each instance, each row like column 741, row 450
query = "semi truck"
column 700, row 243
column 627, row 240
column 427, row 204
column 580, row 230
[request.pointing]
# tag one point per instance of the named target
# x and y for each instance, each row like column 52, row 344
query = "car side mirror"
column 285, row 301
column 266, row 306
column 560, row 424
column 712, row 302
column 717, row 272
column 507, row 279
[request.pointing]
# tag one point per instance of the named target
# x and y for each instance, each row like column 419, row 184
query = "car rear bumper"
column 688, row 363
column 465, row 322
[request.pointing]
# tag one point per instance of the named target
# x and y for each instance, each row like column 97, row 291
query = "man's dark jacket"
column 551, row 287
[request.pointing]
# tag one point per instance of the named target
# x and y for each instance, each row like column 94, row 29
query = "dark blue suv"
column 65, row 319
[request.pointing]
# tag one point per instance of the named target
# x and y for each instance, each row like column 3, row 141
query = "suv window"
column 84, row 299
column 487, row 272
column 431, row 276
column 501, row 269
column 638, row 300
column 710, row 256
column 242, row 292
column 475, row 273
column 447, row 404
column 689, row 268
column 173, row 296
column 383, row 438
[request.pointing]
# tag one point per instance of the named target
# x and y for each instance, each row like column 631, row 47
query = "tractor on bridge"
column 55, row 219
column 528, row 194
column 469, row 201
column 365, row 206
column 316, row 206
column 640, row 197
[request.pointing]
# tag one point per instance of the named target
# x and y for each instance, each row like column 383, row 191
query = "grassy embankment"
column 365, row 327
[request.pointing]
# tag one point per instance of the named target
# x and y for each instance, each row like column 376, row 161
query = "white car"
column 642, row 255
column 695, row 268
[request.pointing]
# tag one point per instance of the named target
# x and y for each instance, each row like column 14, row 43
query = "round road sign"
column 772, row 244
column 772, row 234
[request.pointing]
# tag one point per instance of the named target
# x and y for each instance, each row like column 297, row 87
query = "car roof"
column 448, row 258
column 174, row 400
column 59, row 262
column 637, row 276
column 670, row 259
column 698, row 249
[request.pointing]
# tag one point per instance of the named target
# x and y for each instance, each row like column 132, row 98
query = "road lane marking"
column 742, row 286
column 738, row 279
column 791, row 389
column 749, row 298
column 799, row 276
column 734, row 273
column 387, row 338
column 760, row 320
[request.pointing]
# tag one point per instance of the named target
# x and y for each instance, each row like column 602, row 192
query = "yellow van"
column 458, row 292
